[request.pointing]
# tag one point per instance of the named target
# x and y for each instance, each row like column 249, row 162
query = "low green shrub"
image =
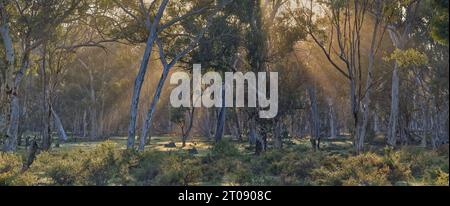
column 224, row 149
column 179, row 170
column 11, row 171
column 62, row 170
column 367, row 169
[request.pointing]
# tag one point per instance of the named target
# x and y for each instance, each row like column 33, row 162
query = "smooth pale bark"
column 393, row 119
column 166, row 69
column 59, row 126
column 365, row 106
column 141, row 75
column 332, row 117
column 315, row 118
column 399, row 39
column 13, row 124
column 101, row 126
column 376, row 120
column 149, row 118
column 93, row 102
column 12, row 102
column 6, row 76
column 93, row 107
column 85, row 125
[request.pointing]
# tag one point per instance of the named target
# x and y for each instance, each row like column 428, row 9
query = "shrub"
column 364, row 170
column 368, row 169
column 436, row 177
column 102, row 165
column 179, row 170
column 296, row 168
column 11, row 171
column 398, row 170
column 266, row 163
column 148, row 167
column 224, row 149
column 421, row 160
column 63, row 170
column 442, row 179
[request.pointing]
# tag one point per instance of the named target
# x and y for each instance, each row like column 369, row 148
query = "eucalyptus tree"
column 147, row 22
column 405, row 18
column 424, row 66
column 25, row 26
column 341, row 41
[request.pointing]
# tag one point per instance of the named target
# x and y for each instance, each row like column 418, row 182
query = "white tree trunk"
column 332, row 116
column 85, row 130
column 141, row 75
column 147, row 123
column 393, row 120
column 376, row 120
column 59, row 125
column 93, row 107
column 11, row 106
column 315, row 118
column 362, row 125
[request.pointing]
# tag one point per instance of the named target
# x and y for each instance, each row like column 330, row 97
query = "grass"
column 233, row 163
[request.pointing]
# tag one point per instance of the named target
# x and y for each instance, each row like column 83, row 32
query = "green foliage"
column 63, row 170
column 11, row 171
column 107, row 164
column 296, row 169
column 409, row 57
column 177, row 115
column 439, row 22
column 367, row 169
column 426, row 166
column 173, row 169
column 148, row 167
column 179, row 171
column 224, row 149
column 104, row 165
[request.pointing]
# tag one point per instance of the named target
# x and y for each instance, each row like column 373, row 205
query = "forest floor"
column 107, row 162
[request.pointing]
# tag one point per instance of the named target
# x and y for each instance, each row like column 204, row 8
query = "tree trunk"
column 362, row 125
column 189, row 128
column 332, row 116
column 399, row 42
column 13, row 127
column 315, row 118
column 238, row 125
column 46, row 113
column 277, row 136
column 93, row 107
column 147, row 123
column 140, row 78
column 393, row 120
column 376, row 120
column 12, row 104
column 221, row 118
column 85, row 130
column 59, row 126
